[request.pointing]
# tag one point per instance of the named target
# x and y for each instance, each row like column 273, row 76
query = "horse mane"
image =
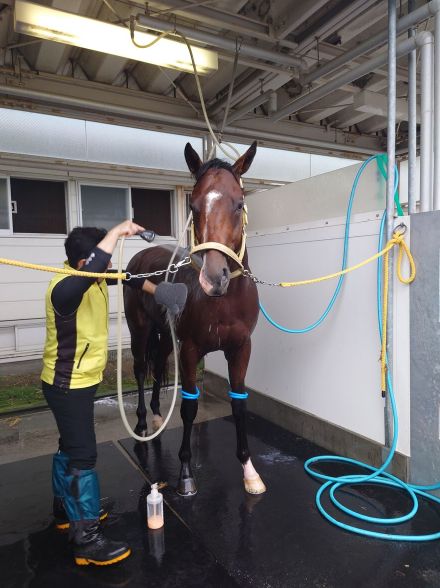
column 213, row 164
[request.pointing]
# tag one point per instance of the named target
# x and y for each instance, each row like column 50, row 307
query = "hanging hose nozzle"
column 148, row 236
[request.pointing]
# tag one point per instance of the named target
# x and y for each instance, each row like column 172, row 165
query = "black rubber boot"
column 62, row 522
column 92, row 547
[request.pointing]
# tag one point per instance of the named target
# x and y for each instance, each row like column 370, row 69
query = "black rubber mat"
column 279, row 539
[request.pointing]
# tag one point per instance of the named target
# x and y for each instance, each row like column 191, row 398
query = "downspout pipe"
column 402, row 48
column 425, row 41
column 391, row 160
column 436, row 202
column 223, row 42
column 412, row 18
column 412, row 120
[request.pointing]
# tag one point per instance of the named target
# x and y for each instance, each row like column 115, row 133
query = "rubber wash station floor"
column 221, row 537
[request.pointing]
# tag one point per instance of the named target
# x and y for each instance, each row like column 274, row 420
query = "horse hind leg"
column 138, row 345
column 159, row 369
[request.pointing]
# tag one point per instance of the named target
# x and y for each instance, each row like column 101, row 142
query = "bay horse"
column 220, row 313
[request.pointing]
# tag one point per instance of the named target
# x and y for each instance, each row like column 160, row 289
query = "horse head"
column 218, row 209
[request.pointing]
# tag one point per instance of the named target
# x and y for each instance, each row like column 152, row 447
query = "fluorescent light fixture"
column 65, row 27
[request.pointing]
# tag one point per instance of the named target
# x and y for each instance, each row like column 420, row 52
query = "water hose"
column 379, row 475
column 344, row 258
column 119, row 345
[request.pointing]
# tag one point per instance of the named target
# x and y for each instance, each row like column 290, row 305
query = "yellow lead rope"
column 62, row 270
column 397, row 239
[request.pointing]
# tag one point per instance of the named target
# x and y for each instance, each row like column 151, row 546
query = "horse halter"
column 237, row 257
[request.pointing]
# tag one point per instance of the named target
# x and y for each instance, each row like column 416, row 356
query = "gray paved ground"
column 35, row 433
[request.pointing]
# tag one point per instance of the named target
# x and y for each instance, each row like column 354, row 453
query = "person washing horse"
column 75, row 356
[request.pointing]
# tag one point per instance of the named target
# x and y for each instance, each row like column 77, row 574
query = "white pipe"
column 425, row 42
column 436, row 203
column 222, row 42
column 412, row 122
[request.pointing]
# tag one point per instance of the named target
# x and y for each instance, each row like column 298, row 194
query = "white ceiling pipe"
column 368, row 66
column 183, row 122
column 425, row 41
column 403, row 24
column 223, row 42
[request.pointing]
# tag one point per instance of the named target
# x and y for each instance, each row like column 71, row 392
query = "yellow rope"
column 397, row 239
column 383, row 353
column 62, row 270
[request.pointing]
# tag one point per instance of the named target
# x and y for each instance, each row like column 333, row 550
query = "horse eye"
column 240, row 206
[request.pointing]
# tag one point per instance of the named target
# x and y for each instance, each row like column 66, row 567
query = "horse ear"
column 192, row 159
column 244, row 162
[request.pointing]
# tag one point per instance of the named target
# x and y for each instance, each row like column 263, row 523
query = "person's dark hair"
column 80, row 242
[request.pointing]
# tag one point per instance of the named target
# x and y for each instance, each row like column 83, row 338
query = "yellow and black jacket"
column 75, row 353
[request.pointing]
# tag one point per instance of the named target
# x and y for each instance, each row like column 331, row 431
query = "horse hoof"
column 157, row 422
column 186, row 487
column 141, row 431
column 254, row 485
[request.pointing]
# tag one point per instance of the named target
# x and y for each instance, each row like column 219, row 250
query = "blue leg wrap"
column 60, row 464
column 190, row 395
column 238, row 395
column 82, row 497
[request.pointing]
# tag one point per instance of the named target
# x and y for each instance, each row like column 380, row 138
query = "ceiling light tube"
column 64, row 27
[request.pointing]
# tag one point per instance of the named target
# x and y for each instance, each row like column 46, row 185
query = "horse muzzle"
column 214, row 276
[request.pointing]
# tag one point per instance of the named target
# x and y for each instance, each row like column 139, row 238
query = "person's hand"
column 127, row 229
column 173, row 296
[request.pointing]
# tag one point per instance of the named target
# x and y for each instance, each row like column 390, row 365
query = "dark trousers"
column 73, row 412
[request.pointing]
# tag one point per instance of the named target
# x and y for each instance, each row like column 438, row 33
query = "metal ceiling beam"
column 224, row 43
column 371, row 65
column 403, row 24
column 295, row 17
column 73, row 99
column 339, row 20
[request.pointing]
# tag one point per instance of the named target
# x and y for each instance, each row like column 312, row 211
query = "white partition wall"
column 332, row 372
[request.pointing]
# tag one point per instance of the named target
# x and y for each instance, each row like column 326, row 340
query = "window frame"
column 9, row 231
column 173, row 207
column 127, row 187
column 43, row 178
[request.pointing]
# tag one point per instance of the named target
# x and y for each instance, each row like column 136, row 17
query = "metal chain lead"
column 256, row 280
column 172, row 269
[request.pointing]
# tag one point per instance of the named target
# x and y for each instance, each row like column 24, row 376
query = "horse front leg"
column 238, row 360
column 189, row 356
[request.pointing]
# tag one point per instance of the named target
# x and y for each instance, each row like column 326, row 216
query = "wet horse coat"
column 220, row 313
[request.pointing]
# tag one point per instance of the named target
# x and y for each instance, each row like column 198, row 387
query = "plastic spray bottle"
column 154, row 508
